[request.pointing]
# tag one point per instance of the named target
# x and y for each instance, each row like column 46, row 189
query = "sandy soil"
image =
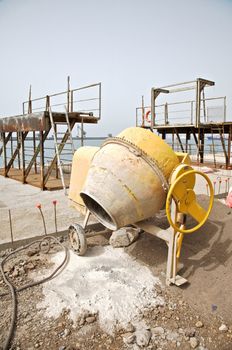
column 207, row 259
column 26, row 218
column 182, row 322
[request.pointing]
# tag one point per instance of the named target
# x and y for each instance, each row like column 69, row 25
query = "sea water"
column 66, row 155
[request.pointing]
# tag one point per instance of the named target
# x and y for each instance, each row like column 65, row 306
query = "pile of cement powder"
column 107, row 281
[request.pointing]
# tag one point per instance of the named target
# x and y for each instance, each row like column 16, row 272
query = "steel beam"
column 16, row 152
column 22, row 156
column 34, row 149
column 179, row 140
column 202, row 146
column 42, row 186
column 154, row 94
column 224, row 147
column 6, row 140
column 229, row 145
column 4, row 152
column 35, row 155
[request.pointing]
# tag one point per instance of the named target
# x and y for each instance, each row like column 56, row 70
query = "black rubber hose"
column 14, row 290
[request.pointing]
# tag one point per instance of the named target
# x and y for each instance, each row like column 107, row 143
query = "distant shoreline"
column 74, row 138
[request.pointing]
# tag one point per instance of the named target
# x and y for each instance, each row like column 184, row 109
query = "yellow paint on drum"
column 121, row 187
column 154, row 146
column 80, row 166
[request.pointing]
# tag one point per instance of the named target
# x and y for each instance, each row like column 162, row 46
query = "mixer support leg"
column 174, row 278
column 87, row 215
column 170, row 258
column 174, row 262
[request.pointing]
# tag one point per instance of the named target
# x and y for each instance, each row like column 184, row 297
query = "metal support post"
column 42, row 161
column 36, row 153
column 34, row 149
column 22, row 156
column 143, row 114
column 87, row 215
column 4, row 152
column 82, row 133
column 68, row 94
column 154, row 94
column 202, row 146
column 11, row 147
column 229, row 145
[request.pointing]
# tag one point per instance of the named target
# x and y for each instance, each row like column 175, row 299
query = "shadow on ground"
column 207, row 258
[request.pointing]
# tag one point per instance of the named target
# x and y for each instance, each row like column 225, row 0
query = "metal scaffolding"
column 196, row 117
column 25, row 137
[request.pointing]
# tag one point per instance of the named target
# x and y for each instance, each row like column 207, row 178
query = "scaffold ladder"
column 60, row 146
column 220, row 130
column 213, row 148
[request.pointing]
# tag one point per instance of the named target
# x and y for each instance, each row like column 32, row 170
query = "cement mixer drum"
column 127, row 179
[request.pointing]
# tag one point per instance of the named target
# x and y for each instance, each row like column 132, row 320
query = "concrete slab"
column 21, row 200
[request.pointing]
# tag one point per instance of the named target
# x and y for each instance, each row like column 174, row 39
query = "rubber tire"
column 80, row 237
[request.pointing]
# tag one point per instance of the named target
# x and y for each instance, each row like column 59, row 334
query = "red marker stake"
column 39, row 206
column 54, row 202
column 226, row 185
column 219, row 187
column 214, row 185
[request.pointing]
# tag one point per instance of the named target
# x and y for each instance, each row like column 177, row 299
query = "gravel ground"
column 174, row 325
column 195, row 316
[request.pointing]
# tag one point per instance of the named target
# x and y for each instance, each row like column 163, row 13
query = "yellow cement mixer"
column 127, row 181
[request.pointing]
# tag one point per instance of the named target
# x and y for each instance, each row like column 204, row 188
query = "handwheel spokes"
column 187, row 203
column 196, row 211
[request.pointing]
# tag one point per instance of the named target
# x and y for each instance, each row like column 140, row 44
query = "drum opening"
column 99, row 211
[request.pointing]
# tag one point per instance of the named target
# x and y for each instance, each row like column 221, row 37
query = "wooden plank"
column 34, row 179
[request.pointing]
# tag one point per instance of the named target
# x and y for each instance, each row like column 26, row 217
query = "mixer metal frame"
column 176, row 183
column 173, row 235
column 169, row 235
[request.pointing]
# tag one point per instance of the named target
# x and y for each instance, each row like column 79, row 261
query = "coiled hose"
column 14, row 291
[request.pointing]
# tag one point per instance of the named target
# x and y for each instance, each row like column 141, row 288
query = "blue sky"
column 128, row 45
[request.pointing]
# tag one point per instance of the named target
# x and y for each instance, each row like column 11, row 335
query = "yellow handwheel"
column 185, row 199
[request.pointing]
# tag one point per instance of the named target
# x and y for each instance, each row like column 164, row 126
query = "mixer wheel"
column 77, row 239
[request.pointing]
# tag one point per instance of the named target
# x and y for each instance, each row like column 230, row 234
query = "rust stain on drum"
column 130, row 192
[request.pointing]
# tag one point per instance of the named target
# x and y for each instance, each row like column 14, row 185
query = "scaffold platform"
column 37, row 146
column 198, row 119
